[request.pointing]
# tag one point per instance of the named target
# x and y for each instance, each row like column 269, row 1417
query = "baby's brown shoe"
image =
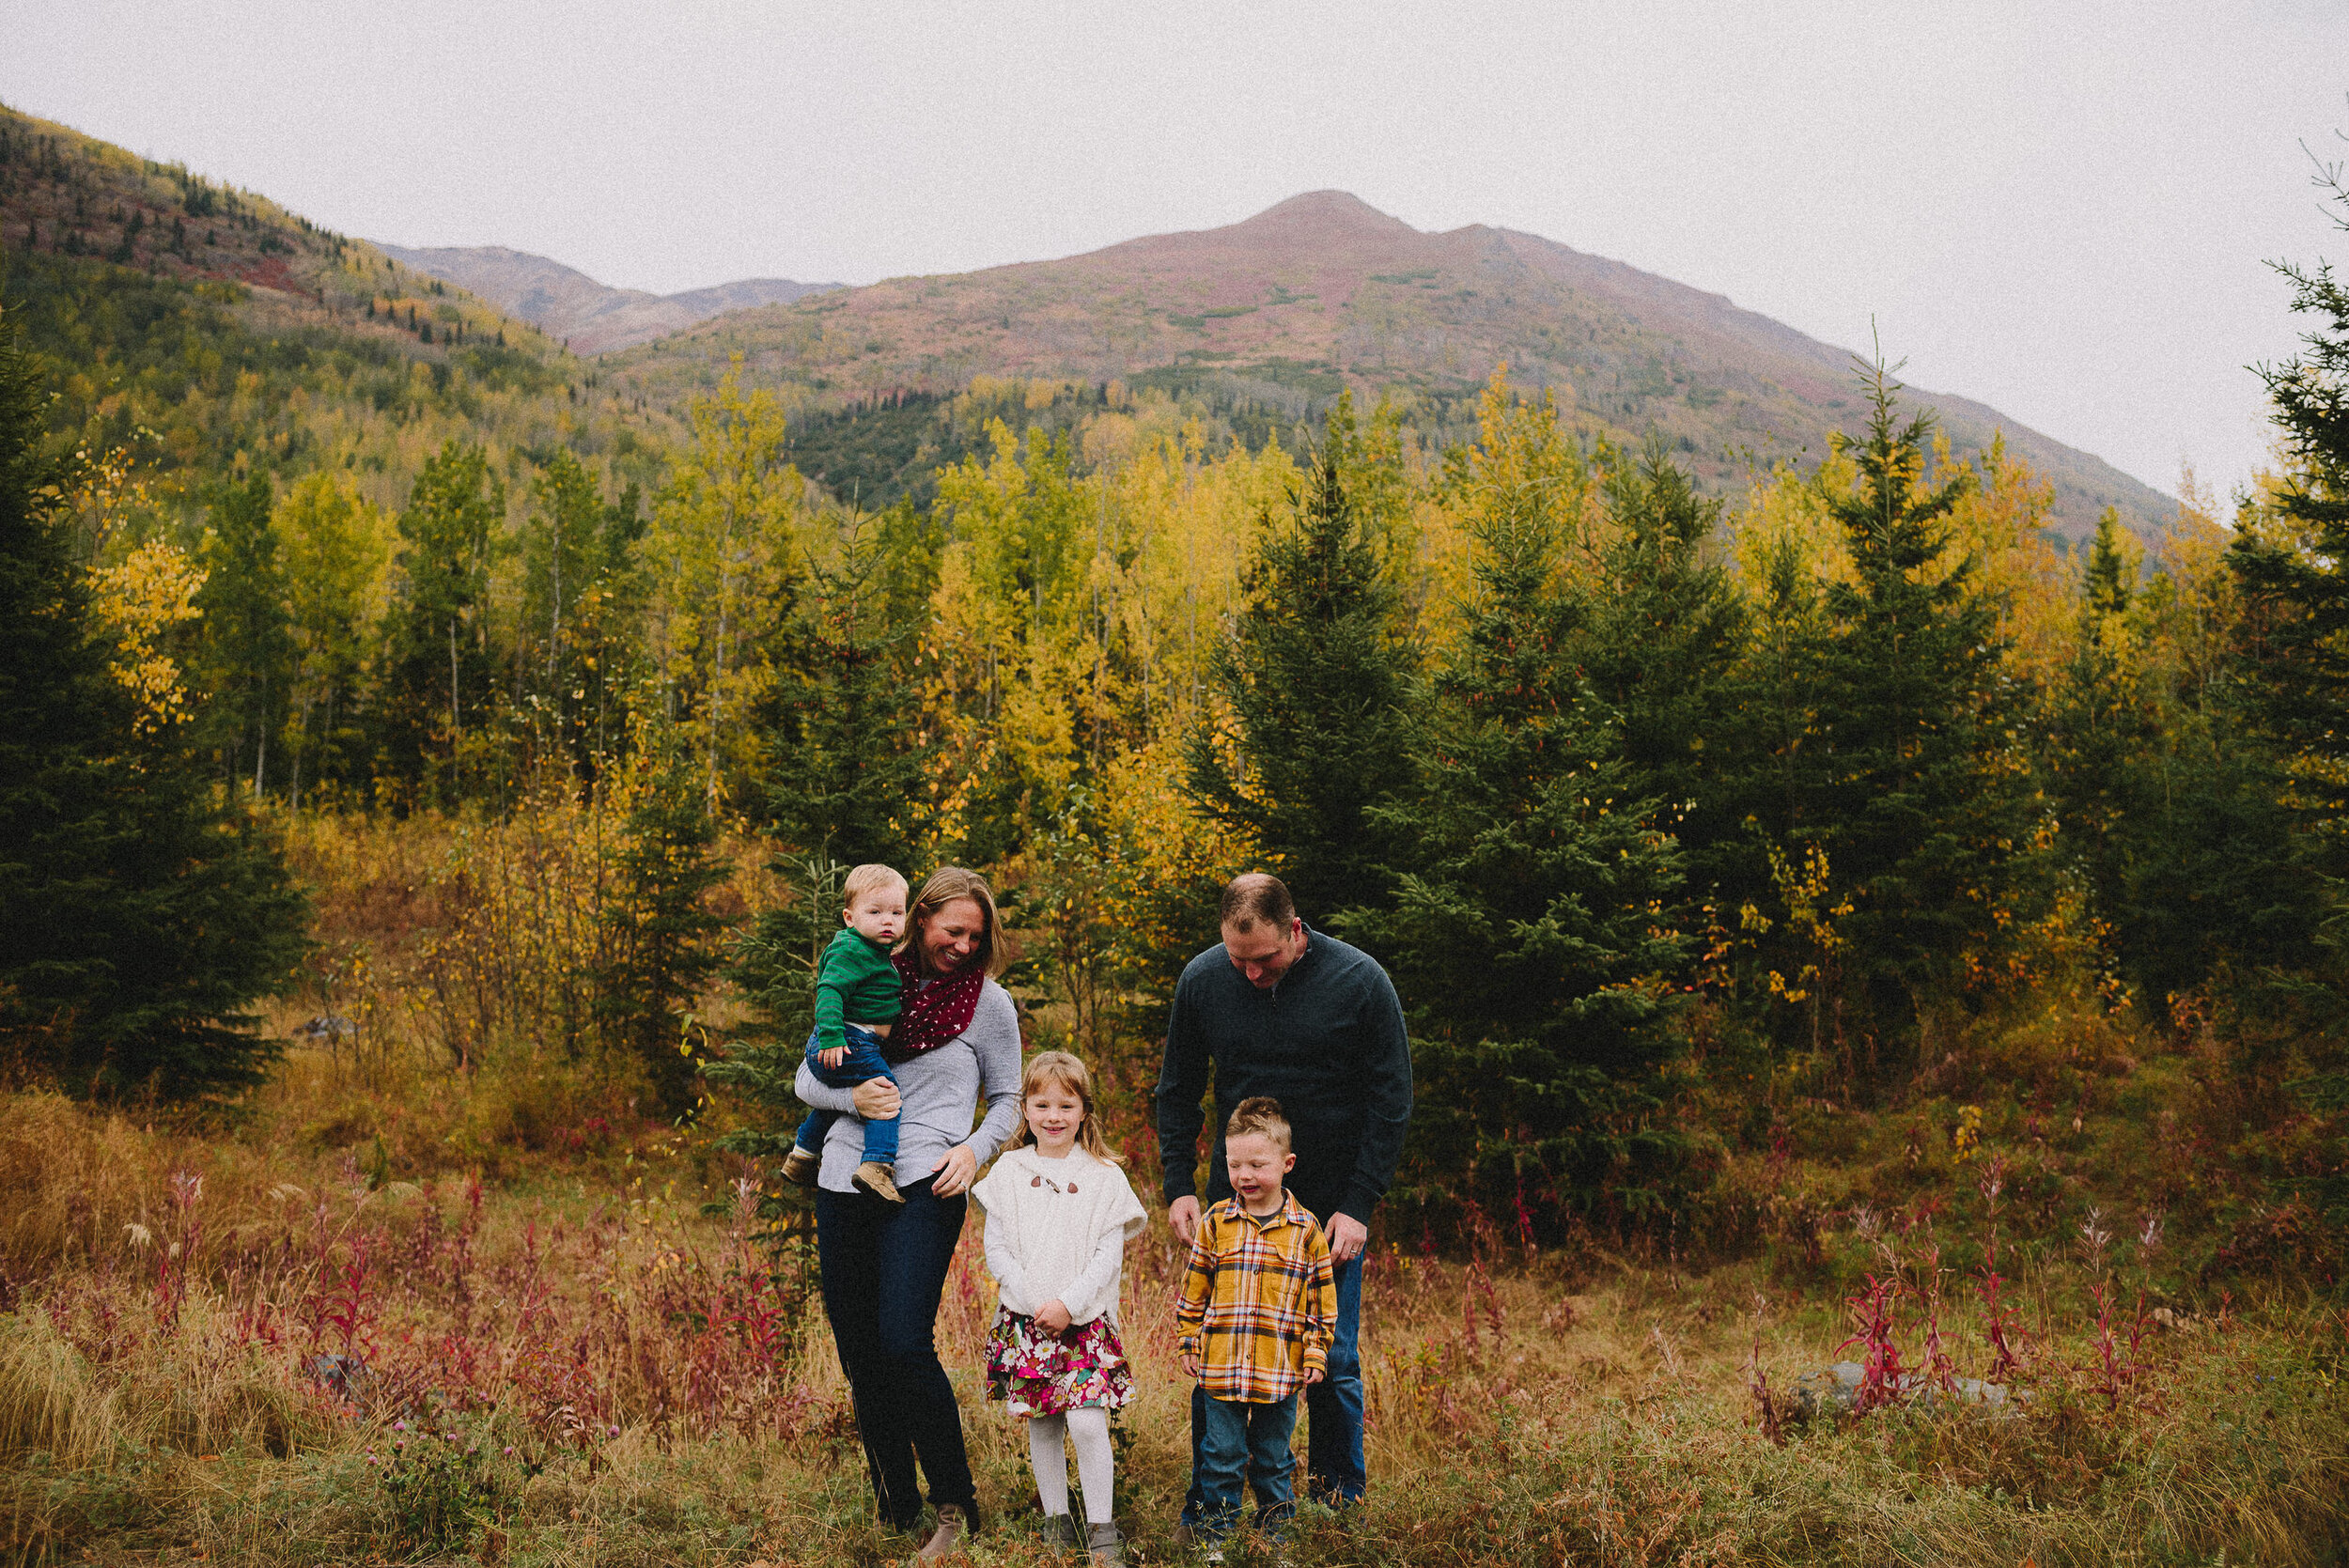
column 874, row 1177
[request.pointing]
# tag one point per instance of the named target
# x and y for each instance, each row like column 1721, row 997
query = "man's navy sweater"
column 1327, row 1042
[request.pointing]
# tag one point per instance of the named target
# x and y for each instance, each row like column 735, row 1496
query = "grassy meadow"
column 441, row 1293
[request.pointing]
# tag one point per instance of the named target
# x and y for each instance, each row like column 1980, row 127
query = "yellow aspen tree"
column 141, row 598
column 2003, row 522
column 727, row 533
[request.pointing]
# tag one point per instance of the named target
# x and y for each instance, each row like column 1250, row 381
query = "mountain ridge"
column 1323, row 289
column 592, row 316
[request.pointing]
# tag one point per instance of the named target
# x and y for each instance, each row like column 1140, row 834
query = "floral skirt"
column 1036, row 1374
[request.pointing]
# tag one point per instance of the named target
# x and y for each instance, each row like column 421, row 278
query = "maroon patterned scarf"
column 939, row 1012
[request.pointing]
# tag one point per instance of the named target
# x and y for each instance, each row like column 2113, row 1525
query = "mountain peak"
column 589, row 316
column 1326, row 211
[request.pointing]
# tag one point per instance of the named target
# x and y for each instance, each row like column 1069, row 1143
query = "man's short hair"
column 1259, row 896
column 1259, row 1116
column 868, row 878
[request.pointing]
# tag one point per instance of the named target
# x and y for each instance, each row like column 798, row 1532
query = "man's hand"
column 1312, row 1375
column 1182, row 1216
column 1347, row 1236
column 831, row 1056
column 956, row 1172
column 1052, row 1317
column 875, row 1100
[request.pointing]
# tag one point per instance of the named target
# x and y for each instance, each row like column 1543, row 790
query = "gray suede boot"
column 1104, row 1545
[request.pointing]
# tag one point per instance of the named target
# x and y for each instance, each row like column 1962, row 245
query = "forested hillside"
column 206, row 333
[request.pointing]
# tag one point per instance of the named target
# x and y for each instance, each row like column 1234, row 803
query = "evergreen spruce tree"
column 1915, row 797
column 1533, row 887
column 2170, row 805
column 2294, row 569
column 437, row 682
column 848, row 783
column 848, row 752
column 2293, row 566
column 2109, row 581
column 1659, row 649
column 2097, row 734
column 773, row 964
column 1318, row 673
column 248, row 644
column 139, row 914
column 668, row 952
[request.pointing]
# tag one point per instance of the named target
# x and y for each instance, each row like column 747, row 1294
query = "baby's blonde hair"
column 866, row 878
column 1059, row 1067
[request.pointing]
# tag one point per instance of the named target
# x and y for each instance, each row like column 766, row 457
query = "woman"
column 883, row 1265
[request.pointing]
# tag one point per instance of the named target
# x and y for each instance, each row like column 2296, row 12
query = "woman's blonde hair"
column 1059, row 1067
column 996, row 951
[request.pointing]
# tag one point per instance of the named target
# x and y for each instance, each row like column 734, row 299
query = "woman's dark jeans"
column 884, row 1267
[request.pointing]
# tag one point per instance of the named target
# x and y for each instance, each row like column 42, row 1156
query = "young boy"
column 1253, row 1322
column 856, row 1004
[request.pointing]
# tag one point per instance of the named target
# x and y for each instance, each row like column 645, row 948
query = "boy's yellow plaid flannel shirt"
column 1258, row 1306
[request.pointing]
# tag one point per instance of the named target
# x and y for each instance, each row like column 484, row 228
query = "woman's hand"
column 955, row 1172
column 875, row 1100
column 1052, row 1317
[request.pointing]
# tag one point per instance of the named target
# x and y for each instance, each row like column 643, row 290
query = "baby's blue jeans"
column 864, row 1062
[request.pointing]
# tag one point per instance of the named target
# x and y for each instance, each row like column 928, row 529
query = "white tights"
column 1089, row 1430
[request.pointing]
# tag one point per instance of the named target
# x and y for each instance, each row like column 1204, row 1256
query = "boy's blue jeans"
column 864, row 1062
column 1245, row 1441
column 1334, row 1471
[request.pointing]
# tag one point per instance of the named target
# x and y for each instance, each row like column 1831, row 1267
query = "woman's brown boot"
column 953, row 1524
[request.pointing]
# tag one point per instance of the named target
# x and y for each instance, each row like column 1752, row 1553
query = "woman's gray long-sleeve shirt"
column 939, row 1091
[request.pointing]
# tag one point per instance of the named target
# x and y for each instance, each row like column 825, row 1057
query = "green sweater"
column 855, row 983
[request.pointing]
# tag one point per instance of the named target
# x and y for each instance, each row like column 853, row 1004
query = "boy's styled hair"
column 868, row 878
column 1062, row 1070
column 1262, row 1117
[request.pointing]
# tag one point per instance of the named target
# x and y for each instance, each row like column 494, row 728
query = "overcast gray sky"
column 2059, row 208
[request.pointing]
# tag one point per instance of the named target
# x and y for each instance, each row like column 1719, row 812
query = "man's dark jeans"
column 1244, row 1441
column 883, row 1267
column 864, row 1064
column 1334, row 1471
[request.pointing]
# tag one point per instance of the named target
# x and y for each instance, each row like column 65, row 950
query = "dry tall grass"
column 212, row 1342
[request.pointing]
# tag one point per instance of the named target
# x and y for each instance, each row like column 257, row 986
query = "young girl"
column 1059, row 1212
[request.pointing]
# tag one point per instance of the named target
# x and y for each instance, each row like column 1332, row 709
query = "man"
column 1280, row 1010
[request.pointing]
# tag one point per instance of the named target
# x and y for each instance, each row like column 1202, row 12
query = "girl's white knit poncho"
column 1058, row 1229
